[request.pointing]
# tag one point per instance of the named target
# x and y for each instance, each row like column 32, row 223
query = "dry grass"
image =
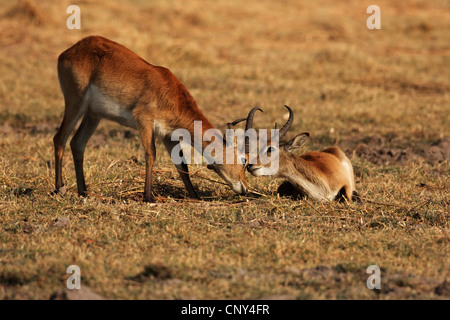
column 381, row 95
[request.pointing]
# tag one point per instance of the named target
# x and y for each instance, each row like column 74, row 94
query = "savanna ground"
column 382, row 95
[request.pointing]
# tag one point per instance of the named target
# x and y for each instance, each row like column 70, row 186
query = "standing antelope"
column 321, row 175
column 102, row 79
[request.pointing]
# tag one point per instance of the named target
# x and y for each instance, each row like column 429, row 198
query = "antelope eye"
column 271, row 149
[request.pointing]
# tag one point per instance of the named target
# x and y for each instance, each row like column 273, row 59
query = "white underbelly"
column 105, row 107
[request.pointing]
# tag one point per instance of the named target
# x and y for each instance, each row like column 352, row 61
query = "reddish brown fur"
column 327, row 165
column 317, row 174
column 151, row 93
column 120, row 73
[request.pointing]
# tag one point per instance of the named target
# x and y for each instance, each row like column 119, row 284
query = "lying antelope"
column 321, row 175
column 101, row 79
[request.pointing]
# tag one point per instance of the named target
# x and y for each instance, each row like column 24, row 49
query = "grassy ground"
column 382, row 95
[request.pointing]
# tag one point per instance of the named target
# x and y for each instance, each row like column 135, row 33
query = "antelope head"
column 271, row 149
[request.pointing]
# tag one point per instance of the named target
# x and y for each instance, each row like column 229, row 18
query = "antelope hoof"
column 61, row 191
column 83, row 194
column 148, row 199
column 195, row 196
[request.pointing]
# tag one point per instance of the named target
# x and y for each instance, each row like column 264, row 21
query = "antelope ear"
column 298, row 141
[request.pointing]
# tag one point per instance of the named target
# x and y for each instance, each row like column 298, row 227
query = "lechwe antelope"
column 102, row 79
column 322, row 175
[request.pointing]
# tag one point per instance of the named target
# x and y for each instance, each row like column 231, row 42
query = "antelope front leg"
column 148, row 141
column 182, row 168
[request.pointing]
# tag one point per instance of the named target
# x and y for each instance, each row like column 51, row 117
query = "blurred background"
column 341, row 78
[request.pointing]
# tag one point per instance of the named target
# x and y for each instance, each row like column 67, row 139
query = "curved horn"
column 288, row 124
column 249, row 125
column 250, row 116
column 235, row 122
column 230, row 125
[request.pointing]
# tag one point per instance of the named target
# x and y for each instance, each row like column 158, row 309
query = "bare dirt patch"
column 378, row 151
